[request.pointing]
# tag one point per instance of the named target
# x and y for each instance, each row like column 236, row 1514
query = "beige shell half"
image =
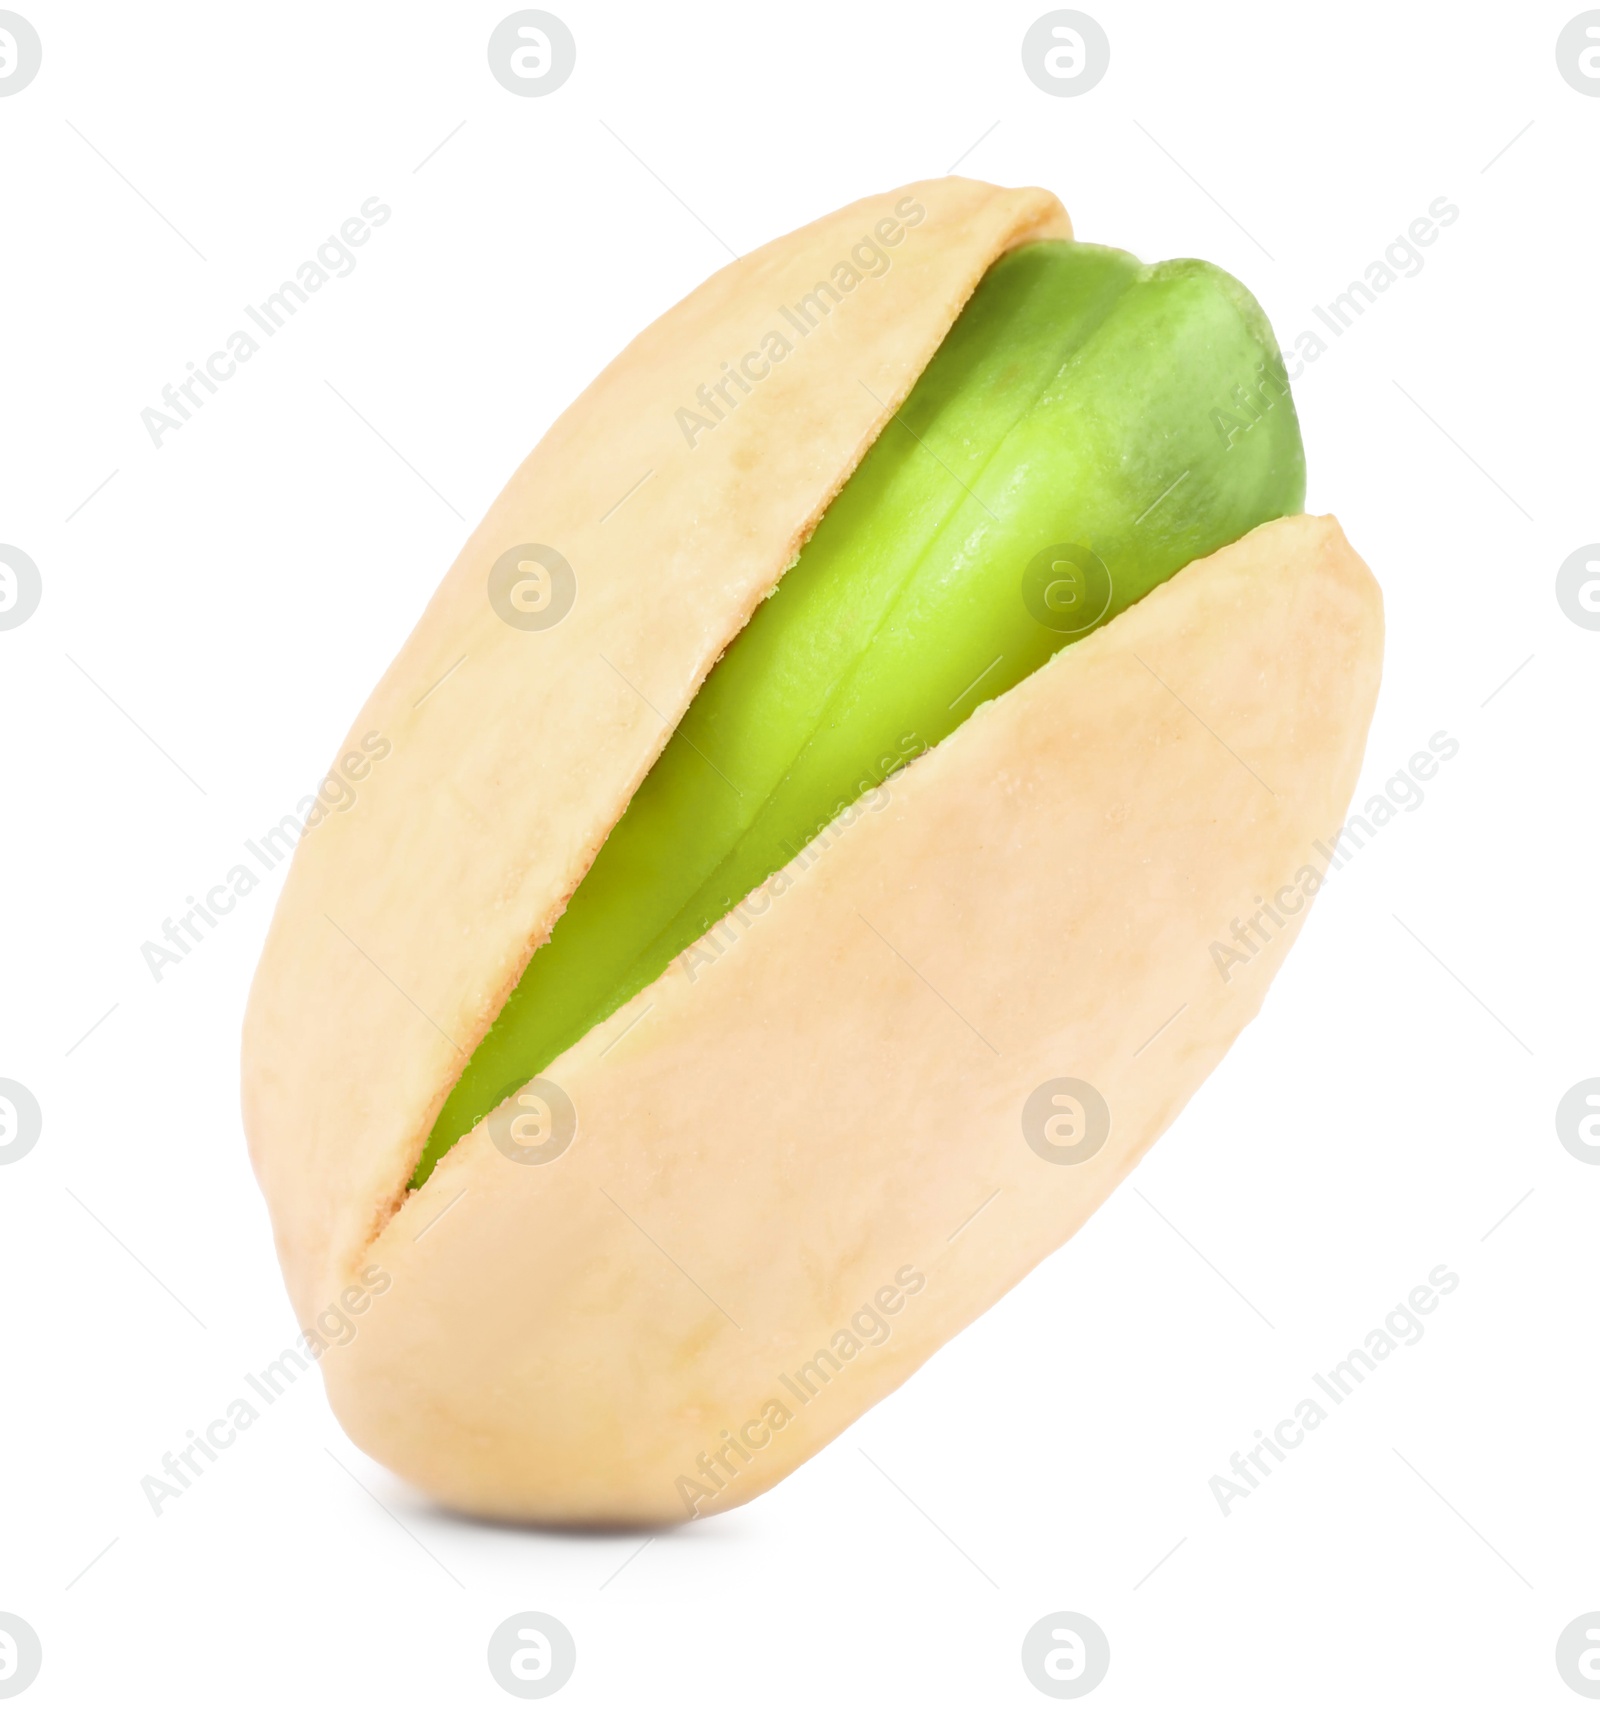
column 749, row 1241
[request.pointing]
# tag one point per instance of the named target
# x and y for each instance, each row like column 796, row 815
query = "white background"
column 237, row 593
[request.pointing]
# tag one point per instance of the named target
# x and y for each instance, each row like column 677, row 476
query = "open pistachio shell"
column 745, row 1238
